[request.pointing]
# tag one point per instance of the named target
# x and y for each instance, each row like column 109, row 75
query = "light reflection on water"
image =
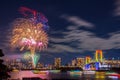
column 56, row 74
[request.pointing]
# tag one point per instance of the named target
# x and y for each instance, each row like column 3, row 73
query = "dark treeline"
column 4, row 71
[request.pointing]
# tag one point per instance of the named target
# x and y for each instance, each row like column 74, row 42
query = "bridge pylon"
column 99, row 56
column 87, row 59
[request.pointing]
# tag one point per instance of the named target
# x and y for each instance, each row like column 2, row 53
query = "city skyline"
column 81, row 62
column 77, row 28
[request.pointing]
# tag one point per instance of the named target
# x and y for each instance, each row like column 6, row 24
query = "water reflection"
column 69, row 75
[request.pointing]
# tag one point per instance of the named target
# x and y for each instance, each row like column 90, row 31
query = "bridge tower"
column 87, row 59
column 99, row 56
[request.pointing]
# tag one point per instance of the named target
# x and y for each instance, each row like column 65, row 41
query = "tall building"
column 57, row 62
column 73, row 62
column 80, row 62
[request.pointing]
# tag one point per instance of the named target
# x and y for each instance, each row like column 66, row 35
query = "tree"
column 3, row 68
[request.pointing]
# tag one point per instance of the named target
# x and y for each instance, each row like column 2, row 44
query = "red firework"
column 25, row 10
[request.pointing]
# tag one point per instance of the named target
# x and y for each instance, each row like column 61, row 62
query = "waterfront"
column 78, row 69
column 69, row 75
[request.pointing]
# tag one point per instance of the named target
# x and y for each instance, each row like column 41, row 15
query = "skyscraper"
column 57, row 62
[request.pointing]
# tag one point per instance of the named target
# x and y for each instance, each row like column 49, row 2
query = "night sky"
column 77, row 27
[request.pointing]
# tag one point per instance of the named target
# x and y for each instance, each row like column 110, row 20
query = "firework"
column 27, row 56
column 35, row 59
column 35, row 17
column 30, row 33
column 28, row 36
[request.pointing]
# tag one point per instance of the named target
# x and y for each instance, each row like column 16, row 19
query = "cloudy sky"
column 77, row 27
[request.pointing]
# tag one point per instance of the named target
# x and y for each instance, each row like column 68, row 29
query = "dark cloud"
column 86, row 40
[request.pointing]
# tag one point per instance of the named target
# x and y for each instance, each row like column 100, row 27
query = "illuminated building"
column 112, row 63
column 73, row 62
column 80, row 62
column 39, row 65
column 57, row 62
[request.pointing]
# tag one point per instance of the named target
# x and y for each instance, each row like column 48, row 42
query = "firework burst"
column 28, row 36
column 30, row 33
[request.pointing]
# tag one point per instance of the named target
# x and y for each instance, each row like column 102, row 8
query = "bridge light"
column 101, row 55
